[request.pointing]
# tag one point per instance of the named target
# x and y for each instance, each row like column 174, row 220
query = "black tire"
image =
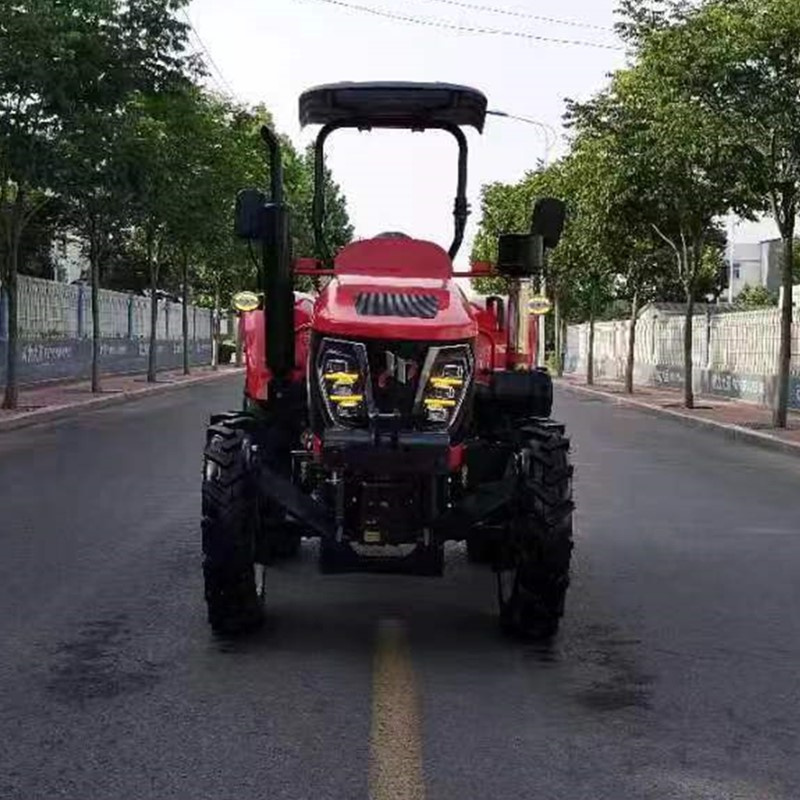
column 230, row 529
column 539, row 544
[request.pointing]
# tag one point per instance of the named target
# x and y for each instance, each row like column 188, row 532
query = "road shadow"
column 451, row 620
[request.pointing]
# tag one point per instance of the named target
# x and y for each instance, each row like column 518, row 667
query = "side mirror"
column 549, row 215
column 520, row 255
column 248, row 217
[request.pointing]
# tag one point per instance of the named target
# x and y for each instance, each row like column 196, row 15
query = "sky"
column 270, row 51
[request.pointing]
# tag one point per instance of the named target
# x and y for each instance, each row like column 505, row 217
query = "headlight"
column 342, row 377
column 445, row 380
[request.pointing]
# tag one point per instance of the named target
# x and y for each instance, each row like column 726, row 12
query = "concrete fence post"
column 81, row 320
column 130, row 316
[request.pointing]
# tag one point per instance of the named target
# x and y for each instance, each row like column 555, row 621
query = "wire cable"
column 213, row 64
column 523, row 15
column 431, row 23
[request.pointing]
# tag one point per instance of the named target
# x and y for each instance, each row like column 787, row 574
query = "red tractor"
column 389, row 414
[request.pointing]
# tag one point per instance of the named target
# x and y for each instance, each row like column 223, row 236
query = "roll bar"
column 460, row 209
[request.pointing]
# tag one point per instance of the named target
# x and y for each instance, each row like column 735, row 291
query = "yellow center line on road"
column 396, row 738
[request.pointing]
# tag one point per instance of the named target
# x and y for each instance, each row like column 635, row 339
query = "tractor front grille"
column 396, row 304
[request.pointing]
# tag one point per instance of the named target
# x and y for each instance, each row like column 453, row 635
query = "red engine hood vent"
column 397, row 304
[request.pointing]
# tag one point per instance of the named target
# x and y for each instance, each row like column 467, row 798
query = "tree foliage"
column 702, row 122
column 106, row 134
column 755, row 297
column 739, row 63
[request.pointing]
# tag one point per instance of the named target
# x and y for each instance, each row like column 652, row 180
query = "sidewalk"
column 56, row 401
column 732, row 418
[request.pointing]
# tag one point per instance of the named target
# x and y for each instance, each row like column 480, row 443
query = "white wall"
column 747, row 263
column 744, row 343
column 69, row 258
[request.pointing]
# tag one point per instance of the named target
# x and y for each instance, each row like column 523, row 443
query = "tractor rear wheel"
column 533, row 575
column 230, row 528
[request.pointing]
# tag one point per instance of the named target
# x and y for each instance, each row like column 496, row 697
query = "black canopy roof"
column 393, row 105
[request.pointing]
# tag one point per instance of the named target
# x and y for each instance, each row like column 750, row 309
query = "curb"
column 725, row 429
column 55, row 413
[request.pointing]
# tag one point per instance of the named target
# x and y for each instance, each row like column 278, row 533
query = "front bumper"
column 387, row 452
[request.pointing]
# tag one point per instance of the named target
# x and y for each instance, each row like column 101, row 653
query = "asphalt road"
column 676, row 674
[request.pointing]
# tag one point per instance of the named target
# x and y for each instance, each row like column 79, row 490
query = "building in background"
column 70, row 263
column 747, row 267
column 757, row 264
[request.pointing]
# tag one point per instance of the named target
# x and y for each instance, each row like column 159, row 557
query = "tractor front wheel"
column 234, row 583
column 533, row 572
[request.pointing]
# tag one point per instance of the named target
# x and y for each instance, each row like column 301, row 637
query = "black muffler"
column 277, row 277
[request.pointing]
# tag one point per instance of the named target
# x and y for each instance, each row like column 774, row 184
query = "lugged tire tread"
column 228, row 513
column 536, row 604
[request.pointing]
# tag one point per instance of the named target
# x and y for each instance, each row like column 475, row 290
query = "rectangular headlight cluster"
column 445, row 380
column 342, row 375
column 342, row 371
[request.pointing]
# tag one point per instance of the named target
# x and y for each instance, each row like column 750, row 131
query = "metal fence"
column 733, row 354
column 55, row 331
column 50, row 310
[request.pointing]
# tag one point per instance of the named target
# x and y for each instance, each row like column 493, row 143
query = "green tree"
column 203, row 186
column 136, row 48
column 755, row 297
column 66, row 70
column 37, row 70
column 739, row 60
column 156, row 149
column 677, row 161
column 639, row 19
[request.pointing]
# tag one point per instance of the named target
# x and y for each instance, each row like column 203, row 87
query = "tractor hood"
column 394, row 288
column 360, row 307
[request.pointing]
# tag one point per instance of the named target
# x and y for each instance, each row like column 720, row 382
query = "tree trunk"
column 152, row 363
column 11, row 395
column 780, row 412
column 631, row 362
column 215, row 331
column 95, row 279
column 185, row 320
column 590, row 362
column 688, row 336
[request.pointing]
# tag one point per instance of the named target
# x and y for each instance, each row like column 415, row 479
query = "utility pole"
column 550, row 138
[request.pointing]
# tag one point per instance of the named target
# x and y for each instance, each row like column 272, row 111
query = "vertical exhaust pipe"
column 277, row 278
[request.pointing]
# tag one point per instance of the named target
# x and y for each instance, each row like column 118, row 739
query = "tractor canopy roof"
column 393, row 105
